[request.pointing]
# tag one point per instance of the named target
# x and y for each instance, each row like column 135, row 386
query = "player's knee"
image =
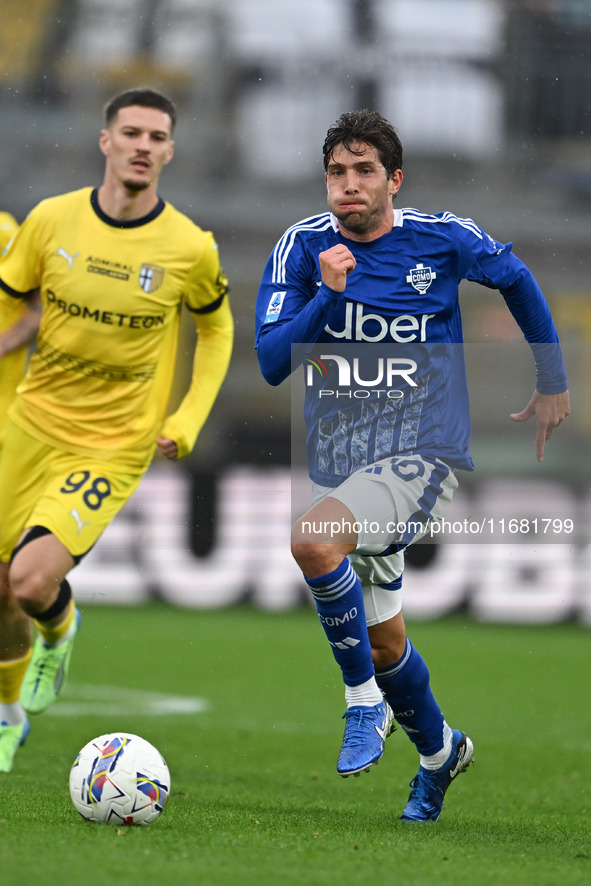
column 31, row 587
column 307, row 554
column 313, row 557
column 317, row 552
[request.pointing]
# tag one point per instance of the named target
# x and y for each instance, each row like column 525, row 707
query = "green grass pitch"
column 246, row 707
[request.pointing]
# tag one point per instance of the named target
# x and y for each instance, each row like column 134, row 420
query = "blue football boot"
column 366, row 730
column 429, row 785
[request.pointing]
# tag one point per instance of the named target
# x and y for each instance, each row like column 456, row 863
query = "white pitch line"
column 87, row 699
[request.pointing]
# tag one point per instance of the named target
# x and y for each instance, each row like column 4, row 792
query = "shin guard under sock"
column 339, row 602
column 407, row 690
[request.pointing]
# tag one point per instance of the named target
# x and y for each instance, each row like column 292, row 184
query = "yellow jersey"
column 99, row 380
column 8, row 228
column 12, row 365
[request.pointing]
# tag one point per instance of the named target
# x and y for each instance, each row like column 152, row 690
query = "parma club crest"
column 151, row 277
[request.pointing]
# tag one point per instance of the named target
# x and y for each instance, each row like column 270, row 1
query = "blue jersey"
column 401, row 303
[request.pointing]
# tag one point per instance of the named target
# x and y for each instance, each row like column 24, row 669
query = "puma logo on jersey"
column 69, row 258
column 79, row 521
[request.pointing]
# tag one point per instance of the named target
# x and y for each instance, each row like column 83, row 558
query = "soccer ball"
column 119, row 778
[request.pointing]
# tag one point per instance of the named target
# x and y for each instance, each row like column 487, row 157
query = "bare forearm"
column 24, row 330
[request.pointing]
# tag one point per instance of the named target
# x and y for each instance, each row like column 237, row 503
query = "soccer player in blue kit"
column 364, row 275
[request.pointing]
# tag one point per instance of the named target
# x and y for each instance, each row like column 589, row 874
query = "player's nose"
column 143, row 142
column 351, row 184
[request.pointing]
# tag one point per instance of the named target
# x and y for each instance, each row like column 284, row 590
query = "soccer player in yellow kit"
column 114, row 266
column 18, row 327
column 19, row 321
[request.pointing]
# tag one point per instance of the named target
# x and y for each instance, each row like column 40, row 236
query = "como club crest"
column 420, row 278
column 151, row 277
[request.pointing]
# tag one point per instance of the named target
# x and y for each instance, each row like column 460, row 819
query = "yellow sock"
column 53, row 635
column 12, row 674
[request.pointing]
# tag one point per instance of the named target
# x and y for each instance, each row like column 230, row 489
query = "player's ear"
column 104, row 142
column 170, row 153
column 395, row 182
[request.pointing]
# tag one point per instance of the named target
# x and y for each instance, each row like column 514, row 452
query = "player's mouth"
column 351, row 206
column 139, row 163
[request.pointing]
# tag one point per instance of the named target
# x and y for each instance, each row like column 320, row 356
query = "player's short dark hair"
column 369, row 127
column 145, row 98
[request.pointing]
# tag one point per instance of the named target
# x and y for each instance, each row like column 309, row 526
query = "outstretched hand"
column 549, row 410
column 167, row 447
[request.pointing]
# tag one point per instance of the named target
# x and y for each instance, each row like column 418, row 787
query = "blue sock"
column 407, row 690
column 339, row 602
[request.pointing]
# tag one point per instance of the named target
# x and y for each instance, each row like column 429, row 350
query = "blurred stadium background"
column 492, row 102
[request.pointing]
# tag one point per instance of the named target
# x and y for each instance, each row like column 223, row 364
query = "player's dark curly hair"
column 369, row 127
column 145, row 98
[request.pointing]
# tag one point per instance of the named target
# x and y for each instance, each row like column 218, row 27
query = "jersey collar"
column 398, row 220
column 132, row 223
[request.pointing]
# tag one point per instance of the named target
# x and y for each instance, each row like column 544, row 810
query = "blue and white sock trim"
column 341, row 581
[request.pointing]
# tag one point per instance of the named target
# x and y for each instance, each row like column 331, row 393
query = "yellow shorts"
column 73, row 496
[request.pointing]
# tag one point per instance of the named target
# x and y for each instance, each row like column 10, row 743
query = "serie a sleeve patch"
column 274, row 307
